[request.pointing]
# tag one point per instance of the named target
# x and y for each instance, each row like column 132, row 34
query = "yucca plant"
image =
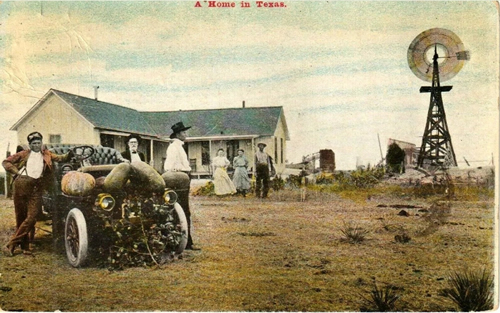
column 353, row 233
column 471, row 291
column 381, row 299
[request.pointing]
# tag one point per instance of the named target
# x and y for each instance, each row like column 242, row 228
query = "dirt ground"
column 278, row 254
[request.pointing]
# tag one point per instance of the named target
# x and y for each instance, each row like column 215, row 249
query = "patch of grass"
column 472, row 193
column 471, row 291
column 402, row 238
column 353, row 233
column 257, row 234
column 380, row 299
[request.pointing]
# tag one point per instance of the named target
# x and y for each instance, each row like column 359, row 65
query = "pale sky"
column 339, row 69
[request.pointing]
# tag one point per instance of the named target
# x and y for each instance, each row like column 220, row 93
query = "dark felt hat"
column 134, row 136
column 177, row 128
column 261, row 143
column 34, row 135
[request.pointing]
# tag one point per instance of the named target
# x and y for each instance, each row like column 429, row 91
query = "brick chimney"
column 95, row 92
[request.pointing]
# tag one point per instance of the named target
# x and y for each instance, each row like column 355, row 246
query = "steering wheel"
column 81, row 153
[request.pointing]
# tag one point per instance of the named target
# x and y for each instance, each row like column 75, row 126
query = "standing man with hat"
column 263, row 165
column 31, row 170
column 132, row 154
column 177, row 161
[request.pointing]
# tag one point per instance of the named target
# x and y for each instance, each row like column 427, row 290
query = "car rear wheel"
column 76, row 238
column 183, row 228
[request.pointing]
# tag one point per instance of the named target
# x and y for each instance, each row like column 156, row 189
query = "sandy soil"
column 280, row 254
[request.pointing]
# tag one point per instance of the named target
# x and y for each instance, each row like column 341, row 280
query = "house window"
column 275, row 150
column 107, row 141
column 205, row 153
column 55, row 138
column 281, row 149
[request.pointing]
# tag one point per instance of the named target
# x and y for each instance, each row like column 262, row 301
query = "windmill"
column 436, row 55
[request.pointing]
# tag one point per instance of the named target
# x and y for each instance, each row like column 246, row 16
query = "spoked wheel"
column 75, row 238
column 182, row 228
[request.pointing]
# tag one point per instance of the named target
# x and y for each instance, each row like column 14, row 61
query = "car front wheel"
column 183, row 228
column 75, row 238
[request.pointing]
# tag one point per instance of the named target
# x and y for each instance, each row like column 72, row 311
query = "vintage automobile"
column 94, row 192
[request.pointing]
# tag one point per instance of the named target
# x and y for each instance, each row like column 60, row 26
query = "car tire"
column 76, row 238
column 182, row 220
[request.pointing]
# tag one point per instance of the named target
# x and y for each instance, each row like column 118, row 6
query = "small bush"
column 207, row 190
column 326, row 178
column 471, row 291
column 277, row 183
column 353, row 233
column 380, row 299
column 402, row 238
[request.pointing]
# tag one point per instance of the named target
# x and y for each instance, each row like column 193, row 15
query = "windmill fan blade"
column 428, row 68
column 450, row 50
column 463, row 55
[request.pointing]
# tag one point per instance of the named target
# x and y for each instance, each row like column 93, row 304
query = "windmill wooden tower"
column 441, row 50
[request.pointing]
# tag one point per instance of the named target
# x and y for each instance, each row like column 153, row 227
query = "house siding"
column 56, row 117
column 280, row 146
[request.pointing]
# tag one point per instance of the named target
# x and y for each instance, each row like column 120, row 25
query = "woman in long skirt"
column 240, row 178
column 222, row 183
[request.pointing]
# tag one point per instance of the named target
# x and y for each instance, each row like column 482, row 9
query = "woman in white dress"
column 222, row 183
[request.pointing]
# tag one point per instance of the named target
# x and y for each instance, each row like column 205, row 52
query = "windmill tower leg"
column 436, row 148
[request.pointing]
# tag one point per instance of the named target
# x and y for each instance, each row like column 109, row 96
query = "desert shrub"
column 472, row 193
column 206, row 190
column 294, row 181
column 402, row 238
column 277, row 183
column 471, row 291
column 395, row 157
column 360, row 178
column 367, row 178
column 353, row 233
column 380, row 299
column 327, row 178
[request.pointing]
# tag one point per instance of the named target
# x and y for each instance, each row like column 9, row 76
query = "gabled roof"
column 105, row 115
column 219, row 122
column 205, row 123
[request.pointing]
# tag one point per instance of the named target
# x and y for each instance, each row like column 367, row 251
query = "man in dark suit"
column 132, row 154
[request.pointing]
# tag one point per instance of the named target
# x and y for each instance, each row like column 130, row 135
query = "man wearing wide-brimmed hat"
column 31, row 169
column 132, row 153
column 263, row 165
column 177, row 161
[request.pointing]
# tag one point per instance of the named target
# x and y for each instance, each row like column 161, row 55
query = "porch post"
column 210, row 157
column 253, row 157
column 151, row 153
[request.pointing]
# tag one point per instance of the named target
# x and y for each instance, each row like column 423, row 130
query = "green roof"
column 106, row 115
column 205, row 123
column 218, row 122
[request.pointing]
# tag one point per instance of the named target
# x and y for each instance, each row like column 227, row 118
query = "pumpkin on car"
column 76, row 183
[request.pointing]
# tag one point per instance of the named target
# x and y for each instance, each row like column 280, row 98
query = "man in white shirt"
column 31, row 170
column 177, row 161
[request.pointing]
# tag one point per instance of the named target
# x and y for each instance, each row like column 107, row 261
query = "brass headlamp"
column 105, row 201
